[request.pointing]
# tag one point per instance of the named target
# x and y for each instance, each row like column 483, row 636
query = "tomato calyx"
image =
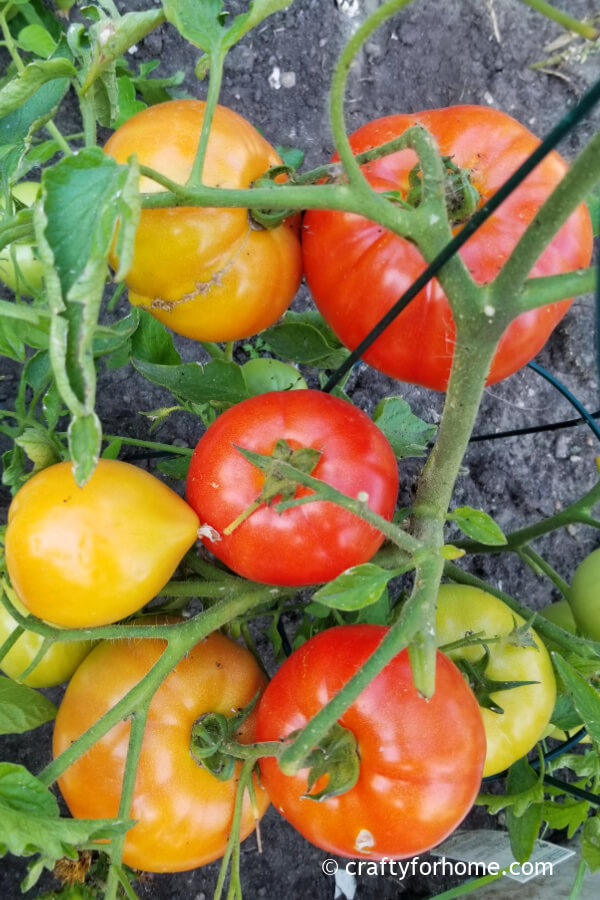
column 336, row 756
column 482, row 686
column 271, row 218
column 277, row 487
column 462, row 197
column 213, row 738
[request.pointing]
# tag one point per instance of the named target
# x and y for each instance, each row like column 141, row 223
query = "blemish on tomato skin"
column 365, row 841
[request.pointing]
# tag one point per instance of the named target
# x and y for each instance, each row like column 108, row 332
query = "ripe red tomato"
column 356, row 270
column 183, row 812
column 209, row 274
column 309, row 543
column 420, row 760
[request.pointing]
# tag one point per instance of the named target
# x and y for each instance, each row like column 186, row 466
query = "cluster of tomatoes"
column 421, row 761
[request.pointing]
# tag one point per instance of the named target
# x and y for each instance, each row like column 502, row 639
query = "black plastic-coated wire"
column 593, row 425
column 566, row 124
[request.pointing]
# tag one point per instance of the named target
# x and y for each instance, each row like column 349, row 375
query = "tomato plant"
column 348, row 258
column 584, row 595
column 465, row 611
column 209, row 274
column 20, row 268
column 305, row 544
column 92, row 555
column 420, row 760
column 183, row 811
column 58, row 663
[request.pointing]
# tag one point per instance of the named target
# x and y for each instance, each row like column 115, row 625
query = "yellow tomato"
column 183, row 812
column 209, row 274
column 89, row 556
column 463, row 610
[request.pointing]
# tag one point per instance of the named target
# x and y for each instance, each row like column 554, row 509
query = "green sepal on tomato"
column 306, row 544
column 356, row 270
column 420, row 760
column 465, row 612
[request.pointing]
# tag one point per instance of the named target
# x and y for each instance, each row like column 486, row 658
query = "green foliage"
column 22, row 708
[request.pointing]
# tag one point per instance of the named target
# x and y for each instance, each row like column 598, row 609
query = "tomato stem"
column 243, row 516
column 233, row 844
column 217, row 58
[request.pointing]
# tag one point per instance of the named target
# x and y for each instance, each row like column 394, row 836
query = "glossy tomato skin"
column 306, row 544
column 464, row 610
column 80, row 557
column 58, row 663
column 184, row 813
column 208, row 274
column 356, row 270
column 584, row 595
column 420, row 760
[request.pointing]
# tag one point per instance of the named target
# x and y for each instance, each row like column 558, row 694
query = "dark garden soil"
column 436, row 53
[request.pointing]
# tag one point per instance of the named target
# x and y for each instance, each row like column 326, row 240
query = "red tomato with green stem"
column 356, row 270
column 420, row 760
column 306, row 544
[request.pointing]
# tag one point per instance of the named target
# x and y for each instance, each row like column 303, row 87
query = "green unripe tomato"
column 584, row 596
column 58, row 663
column 560, row 614
column 18, row 263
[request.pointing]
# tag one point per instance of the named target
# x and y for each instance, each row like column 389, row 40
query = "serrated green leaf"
column 127, row 101
column 586, row 698
column 152, row 343
column 85, row 440
column 264, row 375
column 38, row 447
column 23, row 792
column 218, row 382
column 523, row 823
column 176, row 467
column 478, row 525
column 569, row 814
column 355, row 588
column 203, row 24
column 22, row 708
column 291, row 156
column 36, row 39
column 408, row 435
column 14, row 472
column 564, row 715
column 590, row 843
column 305, row 338
column 116, row 336
column 15, row 93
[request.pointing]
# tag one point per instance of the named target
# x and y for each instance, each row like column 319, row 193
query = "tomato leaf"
column 30, row 823
column 585, row 697
column 355, row 588
column 151, row 342
column 204, row 24
column 523, row 824
column 569, row 814
column 22, row 708
column 565, row 715
column 112, row 37
column 175, row 468
column 39, row 447
column 590, row 843
column 408, row 435
column 24, row 85
column 593, row 203
column 218, row 382
column 83, row 197
column 478, row 525
column 305, row 338
column 35, row 39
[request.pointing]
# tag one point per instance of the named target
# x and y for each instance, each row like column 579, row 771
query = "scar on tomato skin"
column 202, row 288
